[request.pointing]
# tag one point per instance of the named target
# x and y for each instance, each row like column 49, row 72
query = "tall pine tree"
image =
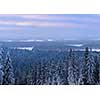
column 87, row 69
column 95, row 73
column 73, row 72
column 8, row 71
column 1, row 66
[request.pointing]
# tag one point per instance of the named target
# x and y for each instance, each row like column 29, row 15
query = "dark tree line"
column 49, row 68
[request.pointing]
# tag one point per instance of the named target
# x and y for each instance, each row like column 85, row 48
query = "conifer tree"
column 87, row 69
column 1, row 66
column 95, row 73
column 8, row 71
column 72, row 69
column 91, row 69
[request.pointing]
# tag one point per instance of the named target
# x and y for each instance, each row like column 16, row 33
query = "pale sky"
column 51, row 26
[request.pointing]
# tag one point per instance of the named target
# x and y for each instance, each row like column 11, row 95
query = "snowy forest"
column 38, row 67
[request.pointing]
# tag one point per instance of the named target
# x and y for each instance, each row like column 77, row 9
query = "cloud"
column 89, row 19
column 59, row 24
column 45, row 17
column 7, row 22
column 23, row 23
column 30, row 19
column 42, row 24
column 49, row 17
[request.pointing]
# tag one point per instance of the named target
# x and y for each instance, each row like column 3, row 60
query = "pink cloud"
column 55, row 17
column 59, row 18
column 51, row 24
column 24, row 23
column 43, row 24
column 45, row 17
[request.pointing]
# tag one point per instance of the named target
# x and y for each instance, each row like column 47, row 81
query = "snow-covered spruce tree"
column 91, row 68
column 43, row 73
column 62, row 72
column 39, row 80
column 50, row 75
column 58, row 78
column 95, row 73
column 8, row 78
column 29, row 78
column 73, row 72
column 87, row 69
column 84, row 71
column 81, row 70
column 99, row 69
column 34, row 73
column 65, row 73
column 1, row 66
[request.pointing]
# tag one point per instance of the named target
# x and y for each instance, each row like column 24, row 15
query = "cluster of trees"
column 46, row 68
column 85, row 71
column 6, row 69
column 73, row 70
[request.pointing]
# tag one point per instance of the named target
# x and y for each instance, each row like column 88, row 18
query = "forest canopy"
column 49, row 67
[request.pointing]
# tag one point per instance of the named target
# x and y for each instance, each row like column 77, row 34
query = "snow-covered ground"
column 97, row 50
column 50, row 40
column 31, row 48
column 31, row 40
column 24, row 48
column 76, row 45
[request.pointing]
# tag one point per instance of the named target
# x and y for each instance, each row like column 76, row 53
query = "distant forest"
column 39, row 67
